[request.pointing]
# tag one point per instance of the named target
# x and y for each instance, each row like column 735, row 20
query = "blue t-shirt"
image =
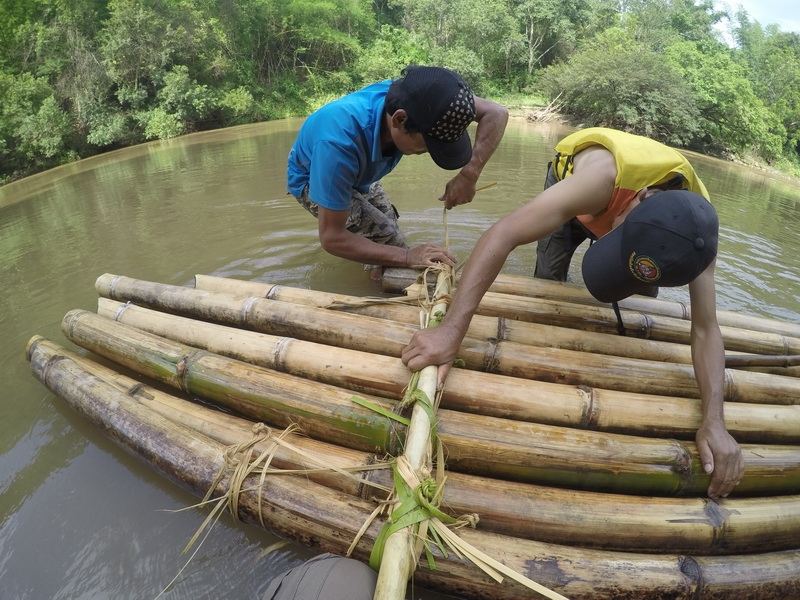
column 338, row 149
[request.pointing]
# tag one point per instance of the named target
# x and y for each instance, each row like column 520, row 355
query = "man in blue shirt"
column 347, row 146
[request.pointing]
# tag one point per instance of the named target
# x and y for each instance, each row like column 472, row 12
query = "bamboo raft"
column 573, row 445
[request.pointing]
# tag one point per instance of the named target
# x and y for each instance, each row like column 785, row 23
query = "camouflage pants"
column 371, row 215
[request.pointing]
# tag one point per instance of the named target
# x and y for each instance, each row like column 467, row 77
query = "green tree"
column 732, row 117
column 772, row 62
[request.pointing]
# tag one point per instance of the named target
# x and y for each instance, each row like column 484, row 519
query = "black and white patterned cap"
column 441, row 106
column 459, row 114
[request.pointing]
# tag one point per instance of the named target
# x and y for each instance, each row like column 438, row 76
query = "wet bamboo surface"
column 395, row 280
column 509, row 358
column 510, row 397
column 306, row 510
column 482, row 445
column 482, row 327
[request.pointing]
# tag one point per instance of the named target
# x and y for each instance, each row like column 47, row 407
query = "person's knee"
column 325, row 577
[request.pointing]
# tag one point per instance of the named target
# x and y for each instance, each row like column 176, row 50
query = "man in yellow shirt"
column 611, row 184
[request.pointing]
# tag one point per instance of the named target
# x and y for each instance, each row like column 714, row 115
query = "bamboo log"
column 397, row 280
column 307, row 511
column 373, row 335
column 465, row 390
column 480, row 445
column 482, row 327
column 602, row 319
column 588, row 519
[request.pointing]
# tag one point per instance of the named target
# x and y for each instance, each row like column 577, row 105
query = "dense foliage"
column 79, row 77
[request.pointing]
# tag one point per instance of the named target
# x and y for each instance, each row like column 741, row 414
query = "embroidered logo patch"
column 644, row 268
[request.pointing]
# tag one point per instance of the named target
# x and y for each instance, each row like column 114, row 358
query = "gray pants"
column 324, row 577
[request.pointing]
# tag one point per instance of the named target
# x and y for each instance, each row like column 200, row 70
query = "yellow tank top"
column 641, row 162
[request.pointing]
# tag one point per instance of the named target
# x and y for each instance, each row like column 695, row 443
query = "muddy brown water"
column 81, row 519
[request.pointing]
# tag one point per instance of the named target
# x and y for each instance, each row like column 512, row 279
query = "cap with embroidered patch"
column 666, row 241
column 441, row 106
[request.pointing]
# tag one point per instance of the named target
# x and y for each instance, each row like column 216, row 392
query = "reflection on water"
column 78, row 518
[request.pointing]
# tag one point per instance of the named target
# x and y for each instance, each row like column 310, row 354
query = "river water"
column 81, row 519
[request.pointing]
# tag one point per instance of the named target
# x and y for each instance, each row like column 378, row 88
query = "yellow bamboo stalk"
column 395, row 280
column 469, row 391
column 481, row 327
column 638, row 324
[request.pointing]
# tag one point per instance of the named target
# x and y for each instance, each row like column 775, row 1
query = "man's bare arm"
column 585, row 192
column 492, row 119
column 337, row 240
column 719, row 452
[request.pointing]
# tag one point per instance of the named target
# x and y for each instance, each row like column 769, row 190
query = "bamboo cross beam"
column 398, row 559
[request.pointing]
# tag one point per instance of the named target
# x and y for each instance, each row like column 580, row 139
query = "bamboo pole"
column 590, row 519
column 305, row 510
column 399, row 557
column 465, row 390
column 372, row 334
column 482, row 327
column 481, row 445
column 396, row 280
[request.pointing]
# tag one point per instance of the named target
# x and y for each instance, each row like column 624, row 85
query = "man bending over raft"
column 347, row 146
column 654, row 226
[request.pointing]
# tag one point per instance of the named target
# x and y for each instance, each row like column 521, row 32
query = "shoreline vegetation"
column 87, row 77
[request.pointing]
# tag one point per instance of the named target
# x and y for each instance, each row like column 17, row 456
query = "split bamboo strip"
column 481, row 327
column 373, row 335
column 481, row 445
column 400, row 556
column 509, row 397
column 304, row 510
column 396, row 280
column 602, row 319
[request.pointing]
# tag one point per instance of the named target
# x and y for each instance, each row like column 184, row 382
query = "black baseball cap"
column 667, row 241
column 441, row 106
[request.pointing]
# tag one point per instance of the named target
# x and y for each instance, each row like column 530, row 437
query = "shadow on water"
column 215, row 203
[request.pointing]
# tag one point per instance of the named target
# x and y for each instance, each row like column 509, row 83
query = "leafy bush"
column 731, row 115
column 618, row 82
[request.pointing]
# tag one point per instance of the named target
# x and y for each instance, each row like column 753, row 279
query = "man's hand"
column 437, row 346
column 459, row 190
column 427, row 255
column 721, row 458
